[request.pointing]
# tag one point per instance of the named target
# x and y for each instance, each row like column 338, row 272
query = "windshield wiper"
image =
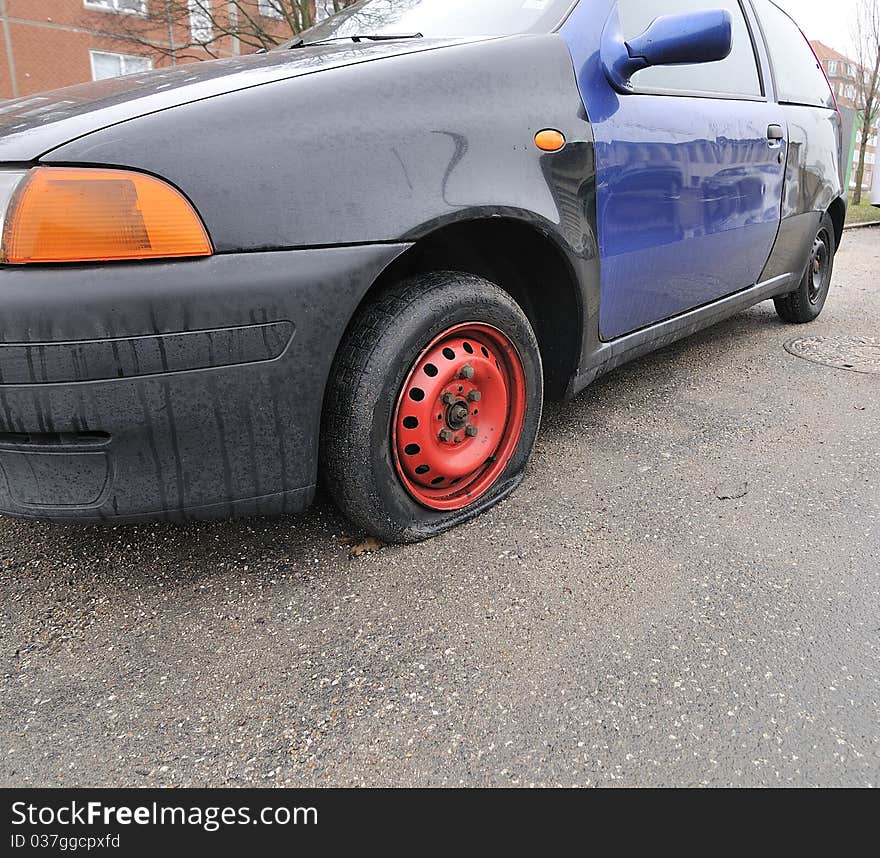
column 376, row 37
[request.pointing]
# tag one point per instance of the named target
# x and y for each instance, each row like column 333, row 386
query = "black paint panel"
column 231, row 439
column 383, row 151
column 33, row 125
column 130, row 357
column 792, row 248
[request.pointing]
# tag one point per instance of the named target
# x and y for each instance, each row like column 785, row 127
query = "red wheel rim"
column 459, row 416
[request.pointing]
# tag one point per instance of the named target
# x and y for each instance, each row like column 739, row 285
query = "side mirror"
column 689, row 38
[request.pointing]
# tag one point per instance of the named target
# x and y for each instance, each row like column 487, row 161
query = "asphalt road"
column 613, row 623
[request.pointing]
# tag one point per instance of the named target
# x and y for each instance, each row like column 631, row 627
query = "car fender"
column 377, row 152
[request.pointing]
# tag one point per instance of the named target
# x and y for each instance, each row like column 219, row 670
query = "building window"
column 832, row 68
column 201, row 25
column 106, row 64
column 270, row 8
column 274, row 9
column 323, row 9
column 126, row 7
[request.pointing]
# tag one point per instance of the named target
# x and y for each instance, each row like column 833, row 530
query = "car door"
column 689, row 168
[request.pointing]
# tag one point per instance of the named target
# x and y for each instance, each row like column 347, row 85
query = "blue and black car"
column 366, row 257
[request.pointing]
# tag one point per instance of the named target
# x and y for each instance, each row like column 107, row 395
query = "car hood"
column 32, row 126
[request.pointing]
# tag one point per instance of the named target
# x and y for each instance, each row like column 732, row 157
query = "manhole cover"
column 856, row 354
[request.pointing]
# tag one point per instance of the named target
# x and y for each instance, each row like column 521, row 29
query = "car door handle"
column 775, row 133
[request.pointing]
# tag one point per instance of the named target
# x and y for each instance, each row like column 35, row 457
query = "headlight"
column 83, row 214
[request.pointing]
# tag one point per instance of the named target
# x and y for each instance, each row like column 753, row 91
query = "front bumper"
column 171, row 390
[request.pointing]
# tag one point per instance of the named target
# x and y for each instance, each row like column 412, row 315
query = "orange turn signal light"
column 82, row 214
column 550, row 140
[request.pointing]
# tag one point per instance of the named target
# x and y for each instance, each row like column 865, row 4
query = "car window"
column 441, row 18
column 798, row 74
column 736, row 75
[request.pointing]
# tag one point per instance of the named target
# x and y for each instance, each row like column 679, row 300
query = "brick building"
column 45, row 44
column 841, row 71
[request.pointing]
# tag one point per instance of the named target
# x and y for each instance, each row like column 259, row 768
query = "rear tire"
column 807, row 301
column 433, row 406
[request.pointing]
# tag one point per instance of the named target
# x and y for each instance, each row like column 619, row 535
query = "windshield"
column 438, row 19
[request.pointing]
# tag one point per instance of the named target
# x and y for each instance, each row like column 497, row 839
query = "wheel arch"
column 837, row 211
column 524, row 261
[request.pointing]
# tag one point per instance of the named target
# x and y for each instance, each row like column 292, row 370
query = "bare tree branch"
column 182, row 30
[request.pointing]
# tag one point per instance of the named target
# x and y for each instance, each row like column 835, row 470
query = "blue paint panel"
column 688, row 190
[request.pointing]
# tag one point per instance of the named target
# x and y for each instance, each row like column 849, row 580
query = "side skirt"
column 610, row 355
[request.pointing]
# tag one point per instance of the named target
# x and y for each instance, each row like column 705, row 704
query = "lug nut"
column 449, row 399
column 475, row 396
column 471, row 431
column 445, row 435
column 467, row 371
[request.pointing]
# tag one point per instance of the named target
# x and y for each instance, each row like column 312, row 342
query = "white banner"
column 875, row 187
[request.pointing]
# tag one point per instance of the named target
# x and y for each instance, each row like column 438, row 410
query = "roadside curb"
column 862, row 225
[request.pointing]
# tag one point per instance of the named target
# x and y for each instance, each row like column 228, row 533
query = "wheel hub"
column 819, row 258
column 459, row 416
